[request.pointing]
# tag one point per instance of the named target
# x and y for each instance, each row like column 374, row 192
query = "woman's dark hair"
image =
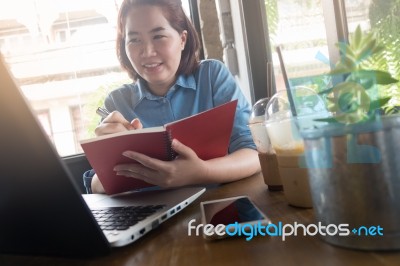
column 174, row 13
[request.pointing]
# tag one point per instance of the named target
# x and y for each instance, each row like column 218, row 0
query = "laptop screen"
column 39, row 202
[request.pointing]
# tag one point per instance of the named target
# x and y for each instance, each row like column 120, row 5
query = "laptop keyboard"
column 121, row 218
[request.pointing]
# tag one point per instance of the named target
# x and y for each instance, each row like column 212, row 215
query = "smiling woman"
column 159, row 48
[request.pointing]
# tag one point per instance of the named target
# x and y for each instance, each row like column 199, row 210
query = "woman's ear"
column 183, row 39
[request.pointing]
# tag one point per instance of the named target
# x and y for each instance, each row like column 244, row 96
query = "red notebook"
column 207, row 133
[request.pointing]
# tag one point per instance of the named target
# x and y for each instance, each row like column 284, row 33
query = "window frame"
column 255, row 15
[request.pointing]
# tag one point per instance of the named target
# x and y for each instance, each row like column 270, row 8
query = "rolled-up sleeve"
column 226, row 89
column 241, row 135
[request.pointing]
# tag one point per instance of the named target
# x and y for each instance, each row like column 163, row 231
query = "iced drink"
column 289, row 151
column 266, row 155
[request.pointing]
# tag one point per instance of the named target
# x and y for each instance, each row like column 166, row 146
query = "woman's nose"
column 148, row 49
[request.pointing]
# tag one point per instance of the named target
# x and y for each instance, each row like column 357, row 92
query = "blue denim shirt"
column 211, row 85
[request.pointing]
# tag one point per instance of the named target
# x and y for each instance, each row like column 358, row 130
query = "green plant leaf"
column 350, row 102
column 384, row 78
column 327, row 91
column 367, row 42
column 347, row 103
column 380, row 77
column 380, row 102
column 378, row 49
column 365, row 51
column 349, row 62
column 345, row 50
column 339, row 69
column 357, row 37
column 368, row 78
column 363, row 66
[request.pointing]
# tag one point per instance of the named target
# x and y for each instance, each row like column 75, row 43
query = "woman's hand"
column 189, row 169
column 115, row 122
column 96, row 186
column 186, row 169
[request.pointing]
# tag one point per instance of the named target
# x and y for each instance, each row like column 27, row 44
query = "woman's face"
column 153, row 47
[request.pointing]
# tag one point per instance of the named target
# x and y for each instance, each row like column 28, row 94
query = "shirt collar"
column 186, row 82
column 182, row 81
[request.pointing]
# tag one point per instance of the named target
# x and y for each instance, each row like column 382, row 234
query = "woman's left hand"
column 186, row 169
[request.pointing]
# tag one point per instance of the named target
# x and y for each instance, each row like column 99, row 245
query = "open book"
column 207, row 133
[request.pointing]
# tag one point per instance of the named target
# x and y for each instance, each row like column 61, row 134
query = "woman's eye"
column 134, row 40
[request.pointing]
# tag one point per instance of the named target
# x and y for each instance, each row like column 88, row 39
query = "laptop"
column 42, row 210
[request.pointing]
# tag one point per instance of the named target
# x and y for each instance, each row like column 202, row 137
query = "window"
column 44, row 119
column 381, row 17
column 303, row 29
column 357, row 13
column 77, row 126
column 62, row 54
column 298, row 27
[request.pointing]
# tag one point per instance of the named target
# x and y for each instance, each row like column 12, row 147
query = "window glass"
column 298, row 27
column 62, row 54
column 357, row 14
column 381, row 17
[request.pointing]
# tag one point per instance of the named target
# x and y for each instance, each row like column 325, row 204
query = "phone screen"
column 240, row 210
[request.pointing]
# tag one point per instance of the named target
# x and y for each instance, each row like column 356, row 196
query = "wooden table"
column 171, row 245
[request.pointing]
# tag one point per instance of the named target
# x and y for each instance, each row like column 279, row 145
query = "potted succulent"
column 353, row 159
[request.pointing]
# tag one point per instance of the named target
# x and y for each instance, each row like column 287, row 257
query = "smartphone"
column 231, row 216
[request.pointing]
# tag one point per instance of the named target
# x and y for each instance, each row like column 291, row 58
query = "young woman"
column 158, row 47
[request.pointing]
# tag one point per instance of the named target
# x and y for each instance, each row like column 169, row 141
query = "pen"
column 102, row 112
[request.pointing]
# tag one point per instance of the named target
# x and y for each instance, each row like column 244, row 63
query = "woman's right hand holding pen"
column 116, row 122
column 112, row 122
